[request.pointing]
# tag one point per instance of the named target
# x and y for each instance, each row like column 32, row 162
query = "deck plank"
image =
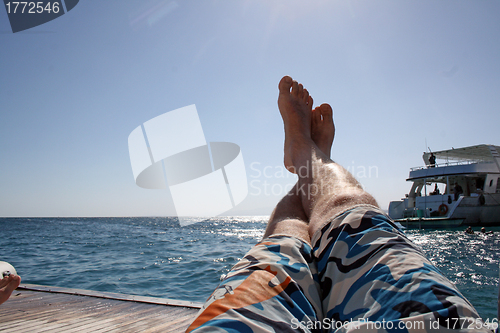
column 52, row 309
column 47, row 309
column 152, row 317
column 133, row 319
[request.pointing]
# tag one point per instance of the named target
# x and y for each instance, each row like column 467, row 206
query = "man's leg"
column 273, row 288
column 285, row 251
column 324, row 186
column 289, row 218
column 368, row 269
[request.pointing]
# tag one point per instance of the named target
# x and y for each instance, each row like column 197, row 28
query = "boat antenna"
column 430, row 151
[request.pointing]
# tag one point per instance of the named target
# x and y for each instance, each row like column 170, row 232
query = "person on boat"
column 330, row 257
column 436, row 190
column 432, row 160
column 8, row 284
column 457, row 190
column 469, row 230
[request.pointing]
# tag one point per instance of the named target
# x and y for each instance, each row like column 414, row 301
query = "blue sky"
column 397, row 73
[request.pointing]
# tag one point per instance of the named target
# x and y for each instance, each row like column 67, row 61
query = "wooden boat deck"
column 35, row 308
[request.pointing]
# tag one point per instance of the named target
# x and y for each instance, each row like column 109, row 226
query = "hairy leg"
column 289, row 218
column 325, row 188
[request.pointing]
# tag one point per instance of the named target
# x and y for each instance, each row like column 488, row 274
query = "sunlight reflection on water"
column 469, row 261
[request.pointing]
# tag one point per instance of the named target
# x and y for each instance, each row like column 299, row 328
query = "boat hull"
column 430, row 223
column 471, row 210
column 475, row 214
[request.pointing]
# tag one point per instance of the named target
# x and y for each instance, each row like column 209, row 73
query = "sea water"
column 154, row 256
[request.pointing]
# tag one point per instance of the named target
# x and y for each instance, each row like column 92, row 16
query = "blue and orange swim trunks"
column 361, row 274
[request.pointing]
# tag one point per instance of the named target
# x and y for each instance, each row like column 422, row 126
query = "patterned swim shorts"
column 361, row 275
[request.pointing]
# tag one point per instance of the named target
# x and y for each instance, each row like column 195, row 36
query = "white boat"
column 464, row 190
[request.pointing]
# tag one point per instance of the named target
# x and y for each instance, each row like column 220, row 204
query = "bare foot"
column 296, row 110
column 7, row 285
column 323, row 128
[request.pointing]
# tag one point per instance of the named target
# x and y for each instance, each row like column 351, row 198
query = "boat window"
column 498, row 185
column 480, row 183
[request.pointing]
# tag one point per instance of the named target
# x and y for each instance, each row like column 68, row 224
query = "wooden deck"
column 35, row 308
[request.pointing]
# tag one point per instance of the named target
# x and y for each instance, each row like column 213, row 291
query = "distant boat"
column 471, row 195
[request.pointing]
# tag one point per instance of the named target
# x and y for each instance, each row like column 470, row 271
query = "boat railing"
column 445, row 164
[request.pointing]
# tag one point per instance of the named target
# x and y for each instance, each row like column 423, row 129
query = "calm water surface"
column 155, row 257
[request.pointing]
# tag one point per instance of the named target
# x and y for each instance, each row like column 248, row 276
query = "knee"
column 289, row 227
column 340, row 203
column 353, row 197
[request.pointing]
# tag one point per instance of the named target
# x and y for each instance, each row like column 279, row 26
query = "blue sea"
column 154, row 256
